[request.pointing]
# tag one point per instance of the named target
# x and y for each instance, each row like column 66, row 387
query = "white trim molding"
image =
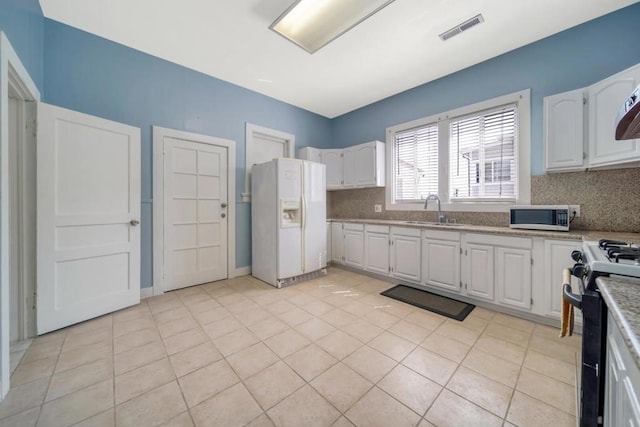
column 159, row 135
column 242, row 271
column 146, row 292
column 253, row 155
column 11, row 70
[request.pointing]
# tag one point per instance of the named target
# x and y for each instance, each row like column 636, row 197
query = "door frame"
column 13, row 72
column 159, row 134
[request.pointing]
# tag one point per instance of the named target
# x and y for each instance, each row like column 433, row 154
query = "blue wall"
column 92, row 75
column 23, row 23
column 569, row 60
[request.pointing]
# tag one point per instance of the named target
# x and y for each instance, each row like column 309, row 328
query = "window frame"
column 522, row 99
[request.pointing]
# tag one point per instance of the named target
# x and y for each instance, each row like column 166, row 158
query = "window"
column 475, row 158
column 482, row 155
column 416, row 163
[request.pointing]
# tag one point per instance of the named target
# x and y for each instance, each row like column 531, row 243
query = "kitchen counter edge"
column 568, row 235
column 623, row 301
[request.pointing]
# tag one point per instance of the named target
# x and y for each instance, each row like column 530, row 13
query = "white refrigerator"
column 288, row 221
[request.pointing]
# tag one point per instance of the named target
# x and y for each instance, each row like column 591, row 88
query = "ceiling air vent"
column 461, row 27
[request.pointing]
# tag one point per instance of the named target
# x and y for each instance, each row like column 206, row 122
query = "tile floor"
column 239, row 352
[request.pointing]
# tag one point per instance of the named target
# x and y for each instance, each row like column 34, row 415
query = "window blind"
column 483, row 155
column 416, row 163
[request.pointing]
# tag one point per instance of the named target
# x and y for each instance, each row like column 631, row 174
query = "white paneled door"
column 88, row 216
column 195, row 213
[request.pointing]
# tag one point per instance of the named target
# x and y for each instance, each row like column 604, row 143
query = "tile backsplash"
column 609, row 201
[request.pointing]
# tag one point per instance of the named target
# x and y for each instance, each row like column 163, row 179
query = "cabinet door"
column 354, row 248
column 613, row 384
column 513, row 277
column 376, row 252
column 605, row 100
column 349, row 167
column 405, row 257
column 311, row 154
column 332, row 159
column 365, row 165
column 329, row 241
column 557, row 256
column 337, row 242
column 564, row 131
column 441, row 264
column 479, row 271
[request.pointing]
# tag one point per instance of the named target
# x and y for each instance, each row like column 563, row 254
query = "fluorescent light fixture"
column 311, row 24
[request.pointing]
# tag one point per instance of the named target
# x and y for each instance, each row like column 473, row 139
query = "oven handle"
column 573, row 299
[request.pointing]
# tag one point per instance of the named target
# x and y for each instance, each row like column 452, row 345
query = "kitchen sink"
column 443, row 224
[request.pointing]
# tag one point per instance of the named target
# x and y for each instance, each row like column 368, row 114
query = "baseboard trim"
column 242, row 271
column 146, row 292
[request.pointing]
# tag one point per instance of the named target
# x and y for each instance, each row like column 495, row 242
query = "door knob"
column 224, row 205
column 223, row 215
column 134, row 222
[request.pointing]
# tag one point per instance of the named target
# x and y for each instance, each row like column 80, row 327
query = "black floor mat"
column 442, row 305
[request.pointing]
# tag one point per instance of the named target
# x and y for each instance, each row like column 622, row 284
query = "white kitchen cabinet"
column 364, row 165
column 557, row 256
column 478, row 271
column 332, row 159
column 376, row 248
column 564, row 122
column 441, row 259
column 310, row 153
column 622, row 377
column 329, row 241
column 605, row 100
column 579, row 126
column 337, row 243
column 513, row 276
column 353, row 245
column 405, row 256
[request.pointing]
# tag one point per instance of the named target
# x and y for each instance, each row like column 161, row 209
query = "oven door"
column 594, row 327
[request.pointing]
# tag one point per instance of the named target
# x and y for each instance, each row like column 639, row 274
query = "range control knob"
column 579, row 270
column 576, row 256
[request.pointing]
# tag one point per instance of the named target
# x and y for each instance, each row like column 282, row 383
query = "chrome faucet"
column 441, row 216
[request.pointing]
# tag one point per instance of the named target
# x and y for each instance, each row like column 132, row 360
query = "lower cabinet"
column 354, row 245
column 478, row 271
column 376, row 248
column 441, row 259
column 337, row 243
column 513, row 277
column 621, row 406
column 557, row 256
column 405, row 257
column 498, row 269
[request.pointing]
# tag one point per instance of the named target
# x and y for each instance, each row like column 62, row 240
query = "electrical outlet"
column 377, row 208
column 574, row 208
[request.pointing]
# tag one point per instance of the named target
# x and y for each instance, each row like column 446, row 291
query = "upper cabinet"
column 333, row 160
column 605, row 100
column 564, row 131
column 358, row 166
column 579, row 126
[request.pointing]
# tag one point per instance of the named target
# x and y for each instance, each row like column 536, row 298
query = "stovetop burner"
column 613, row 257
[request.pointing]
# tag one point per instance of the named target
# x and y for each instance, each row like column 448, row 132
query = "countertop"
column 569, row 235
column 622, row 295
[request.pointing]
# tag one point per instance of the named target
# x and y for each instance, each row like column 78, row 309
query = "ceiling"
column 396, row 49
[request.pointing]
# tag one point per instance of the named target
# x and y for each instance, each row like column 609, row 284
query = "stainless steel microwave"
column 540, row 217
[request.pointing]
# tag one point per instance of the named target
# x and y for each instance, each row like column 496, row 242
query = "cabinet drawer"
column 405, row 231
column 441, row 235
column 352, row 226
column 497, row 240
column 373, row 228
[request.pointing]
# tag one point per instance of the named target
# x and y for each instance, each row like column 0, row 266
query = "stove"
column 597, row 259
column 607, row 257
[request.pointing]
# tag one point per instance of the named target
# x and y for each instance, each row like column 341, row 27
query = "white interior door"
column 195, row 213
column 87, row 218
